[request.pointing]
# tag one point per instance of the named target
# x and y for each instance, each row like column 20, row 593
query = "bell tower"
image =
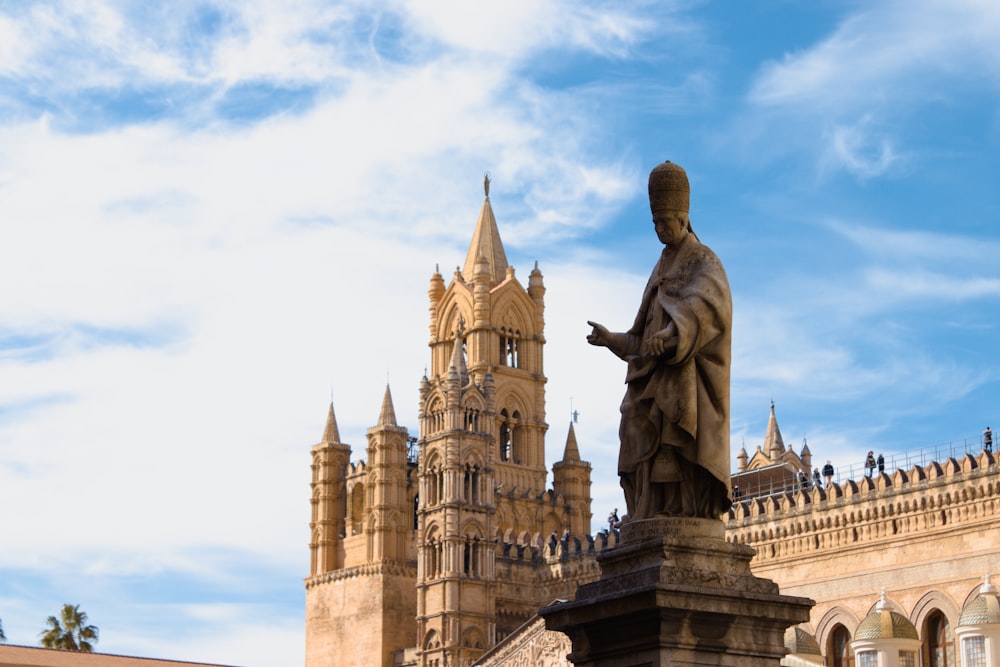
column 482, row 427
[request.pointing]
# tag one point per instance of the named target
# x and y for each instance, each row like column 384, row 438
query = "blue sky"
column 212, row 213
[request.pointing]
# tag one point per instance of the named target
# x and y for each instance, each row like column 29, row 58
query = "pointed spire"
column 331, row 433
column 773, row 443
column 571, row 453
column 486, row 243
column 387, row 417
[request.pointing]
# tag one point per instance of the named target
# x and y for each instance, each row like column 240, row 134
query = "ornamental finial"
column 486, row 183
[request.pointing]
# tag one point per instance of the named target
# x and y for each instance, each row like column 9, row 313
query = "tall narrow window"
column 504, row 439
column 510, row 352
column 516, row 437
column 940, row 644
column 868, row 659
column 839, row 649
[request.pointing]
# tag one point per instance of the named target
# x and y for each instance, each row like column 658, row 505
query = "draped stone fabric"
column 674, row 457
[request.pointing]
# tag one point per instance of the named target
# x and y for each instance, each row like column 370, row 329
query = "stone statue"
column 674, row 457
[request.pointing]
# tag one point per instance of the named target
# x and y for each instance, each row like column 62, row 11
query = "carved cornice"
column 389, row 567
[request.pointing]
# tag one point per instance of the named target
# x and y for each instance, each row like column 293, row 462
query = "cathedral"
column 438, row 550
column 438, row 546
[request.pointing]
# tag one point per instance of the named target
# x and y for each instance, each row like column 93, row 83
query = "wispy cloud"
column 891, row 54
column 845, row 100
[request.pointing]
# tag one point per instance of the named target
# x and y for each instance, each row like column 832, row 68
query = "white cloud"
column 892, row 53
column 852, row 148
column 861, row 99
column 254, row 268
column 518, row 29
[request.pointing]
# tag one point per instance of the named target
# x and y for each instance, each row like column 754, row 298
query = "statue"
column 674, row 457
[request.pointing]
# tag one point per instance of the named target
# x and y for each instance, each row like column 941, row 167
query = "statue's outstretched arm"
column 623, row 345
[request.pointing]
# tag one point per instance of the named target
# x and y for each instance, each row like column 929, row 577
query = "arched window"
column 416, row 507
column 838, row 647
column 473, row 554
column 432, row 558
column 470, row 485
column 516, row 437
column 504, row 439
column 357, row 508
column 431, row 490
column 939, row 644
column 510, row 353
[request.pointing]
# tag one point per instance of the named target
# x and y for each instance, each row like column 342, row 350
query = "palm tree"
column 73, row 633
column 3, row 637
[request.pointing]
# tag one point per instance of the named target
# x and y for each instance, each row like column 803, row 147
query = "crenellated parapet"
column 536, row 549
column 884, row 508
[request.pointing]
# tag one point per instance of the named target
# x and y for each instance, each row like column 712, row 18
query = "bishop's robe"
column 675, row 414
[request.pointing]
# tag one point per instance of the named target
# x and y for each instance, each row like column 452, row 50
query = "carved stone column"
column 674, row 593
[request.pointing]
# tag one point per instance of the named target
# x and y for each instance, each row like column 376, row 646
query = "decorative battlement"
column 538, row 550
column 885, row 507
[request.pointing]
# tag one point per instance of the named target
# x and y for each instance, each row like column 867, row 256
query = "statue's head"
column 668, row 188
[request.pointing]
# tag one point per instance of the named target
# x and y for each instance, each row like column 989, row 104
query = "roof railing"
column 922, row 457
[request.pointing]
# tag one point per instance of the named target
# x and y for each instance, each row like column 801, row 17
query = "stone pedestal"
column 674, row 593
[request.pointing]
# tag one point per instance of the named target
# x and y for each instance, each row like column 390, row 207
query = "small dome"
column 800, row 642
column 883, row 623
column 982, row 609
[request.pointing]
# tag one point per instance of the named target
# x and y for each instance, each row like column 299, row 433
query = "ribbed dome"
column 982, row 609
column 883, row 623
column 801, row 642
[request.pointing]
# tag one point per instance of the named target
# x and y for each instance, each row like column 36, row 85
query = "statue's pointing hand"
column 599, row 336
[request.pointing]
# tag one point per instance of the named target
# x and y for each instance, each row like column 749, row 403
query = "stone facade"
column 926, row 534
column 446, row 543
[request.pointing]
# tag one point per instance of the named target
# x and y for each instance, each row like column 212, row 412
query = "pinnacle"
column 331, row 433
column 772, row 439
column 572, row 452
column 387, row 417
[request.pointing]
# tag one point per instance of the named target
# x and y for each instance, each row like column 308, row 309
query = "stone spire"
column 774, row 446
column 486, row 244
column 387, row 417
column 331, row 433
column 571, row 453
